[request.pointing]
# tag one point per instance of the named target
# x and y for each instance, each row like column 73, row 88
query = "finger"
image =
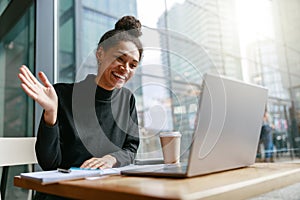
column 26, row 82
column 104, row 167
column 96, row 164
column 104, row 164
column 87, row 163
column 29, row 86
column 84, row 165
column 27, row 73
column 30, row 75
column 100, row 165
column 24, row 79
column 44, row 79
column 28, row 91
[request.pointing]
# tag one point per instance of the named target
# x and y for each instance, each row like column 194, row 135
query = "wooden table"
column 233, row 184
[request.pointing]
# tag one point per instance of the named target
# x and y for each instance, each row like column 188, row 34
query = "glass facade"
column 16, row 109
column 66, row 44
column 183, row 39
column 81, row 23
column 16, row 48
column 255, row 41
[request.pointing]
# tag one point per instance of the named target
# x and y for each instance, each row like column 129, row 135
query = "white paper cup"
column 170, row 143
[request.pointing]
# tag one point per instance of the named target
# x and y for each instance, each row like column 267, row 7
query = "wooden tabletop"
column 233, row 184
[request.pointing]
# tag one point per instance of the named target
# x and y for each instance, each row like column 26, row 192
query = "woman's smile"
column 119, row 76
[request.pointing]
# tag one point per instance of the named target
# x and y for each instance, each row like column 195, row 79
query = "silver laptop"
column 227, row 131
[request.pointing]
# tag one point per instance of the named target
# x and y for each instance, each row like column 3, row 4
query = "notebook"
column 227, row 130
column 54, row 176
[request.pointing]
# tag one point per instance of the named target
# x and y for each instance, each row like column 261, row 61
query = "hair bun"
column 131, row 24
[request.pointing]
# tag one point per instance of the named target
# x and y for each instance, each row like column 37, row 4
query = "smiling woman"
column 92, row 123
column 117, row 65
column 118, row 54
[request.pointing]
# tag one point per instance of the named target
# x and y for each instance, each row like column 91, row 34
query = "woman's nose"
column 125, row 67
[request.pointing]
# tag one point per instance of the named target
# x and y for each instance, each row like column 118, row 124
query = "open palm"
column 44, row 94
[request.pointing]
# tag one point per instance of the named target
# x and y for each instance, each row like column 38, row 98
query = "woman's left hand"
column 105, row 162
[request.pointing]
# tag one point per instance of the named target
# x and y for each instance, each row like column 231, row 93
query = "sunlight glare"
column 254, row 19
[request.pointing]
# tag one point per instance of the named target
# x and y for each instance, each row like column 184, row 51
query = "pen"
column 63, row 170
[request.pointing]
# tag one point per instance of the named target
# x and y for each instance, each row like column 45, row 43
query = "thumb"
column 44, row 79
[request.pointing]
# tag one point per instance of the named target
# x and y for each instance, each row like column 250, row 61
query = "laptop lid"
column 228, row 126
column 226, row 136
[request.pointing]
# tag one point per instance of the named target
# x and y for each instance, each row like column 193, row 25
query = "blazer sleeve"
column 127, row 154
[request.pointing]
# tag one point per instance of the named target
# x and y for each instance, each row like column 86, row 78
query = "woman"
column 93, row 123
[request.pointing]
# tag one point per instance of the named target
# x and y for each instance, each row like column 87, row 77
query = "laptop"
column 227, row 129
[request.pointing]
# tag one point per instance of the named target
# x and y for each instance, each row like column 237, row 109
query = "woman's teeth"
column 118, row 75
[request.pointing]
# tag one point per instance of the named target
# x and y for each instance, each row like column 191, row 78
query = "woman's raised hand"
column 44, row 94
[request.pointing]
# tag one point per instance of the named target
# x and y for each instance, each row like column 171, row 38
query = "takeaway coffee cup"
column 170, row 143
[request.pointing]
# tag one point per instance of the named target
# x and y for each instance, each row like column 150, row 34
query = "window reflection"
column 16, row 109
column 183, row 39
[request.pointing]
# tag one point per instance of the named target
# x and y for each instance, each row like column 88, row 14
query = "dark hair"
column 128, row 28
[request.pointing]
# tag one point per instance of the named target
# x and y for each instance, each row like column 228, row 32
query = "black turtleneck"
column 91, row 122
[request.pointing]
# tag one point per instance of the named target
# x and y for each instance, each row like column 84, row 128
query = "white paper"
column 53, row 176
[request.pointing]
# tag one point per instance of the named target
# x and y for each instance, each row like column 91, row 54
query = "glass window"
column 3, row 5
column 293, row 59
column 16, row 108
column 66, row 57
column 183, row 39
column 17, row 48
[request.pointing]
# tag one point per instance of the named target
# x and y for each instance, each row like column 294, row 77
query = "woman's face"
column 118, row 65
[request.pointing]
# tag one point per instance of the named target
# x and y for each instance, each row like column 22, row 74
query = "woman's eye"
column 133, row 66
column 119, row 59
